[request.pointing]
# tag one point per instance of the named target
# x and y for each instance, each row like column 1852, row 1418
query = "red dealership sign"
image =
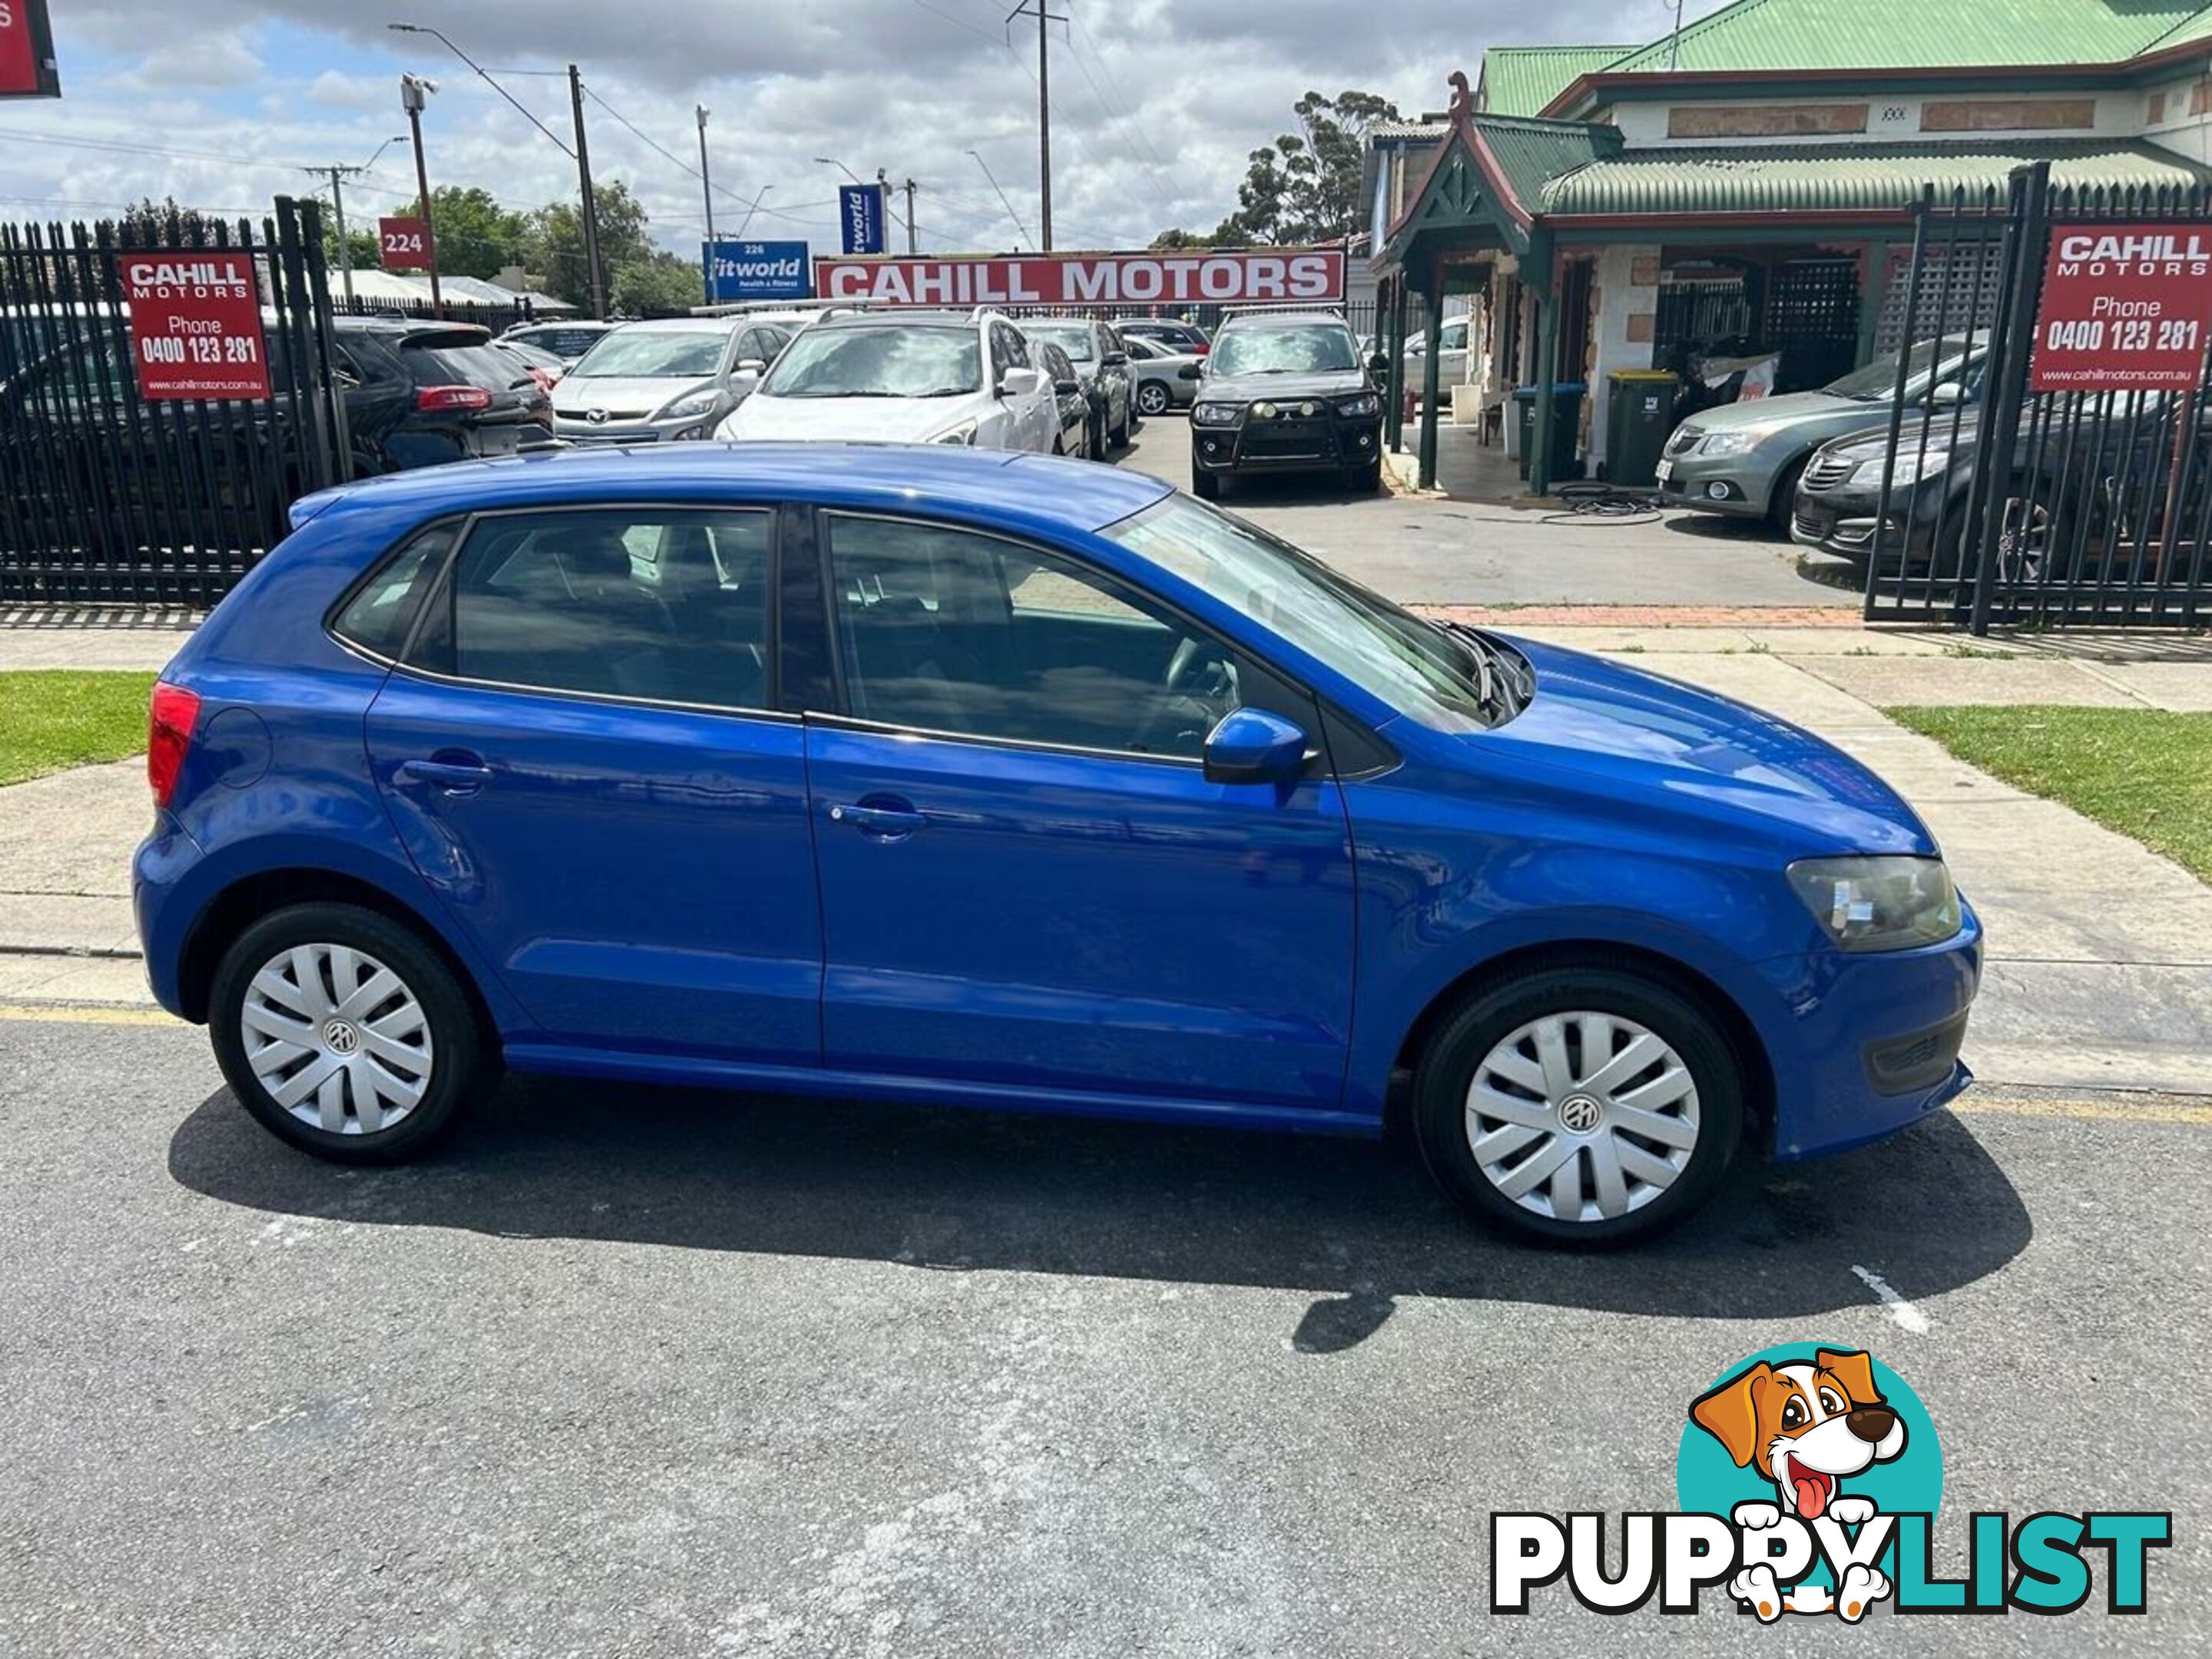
column 2125, row 308
column 405, row 243
column 1197, row 277
column 195, row 324
column 27, row 51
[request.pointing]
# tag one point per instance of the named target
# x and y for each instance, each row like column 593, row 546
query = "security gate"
column 108, row 496
column 2049, row 458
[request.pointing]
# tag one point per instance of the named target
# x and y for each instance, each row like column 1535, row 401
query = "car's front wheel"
column 346, row 1035
column 1578, row 1105
column 1206, row 486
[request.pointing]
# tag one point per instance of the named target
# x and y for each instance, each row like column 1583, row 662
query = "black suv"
column 1285, row 392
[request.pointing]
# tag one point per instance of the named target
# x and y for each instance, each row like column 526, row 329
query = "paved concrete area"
column 639, row 1372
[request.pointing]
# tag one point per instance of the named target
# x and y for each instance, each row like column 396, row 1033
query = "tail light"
column 431, row 397
column 546, row 378
column 169, row 725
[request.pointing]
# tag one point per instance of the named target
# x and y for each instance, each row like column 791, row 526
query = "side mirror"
column 1067, row 388
column 1945, row 394
column 1117, row 360
column 1187, row 372
column 1250, row 746
column 1020, row 382
column 1419, row 345
column 750, row 369
column 1378, row 364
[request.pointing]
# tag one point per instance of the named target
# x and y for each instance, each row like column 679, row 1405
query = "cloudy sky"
column 1155, row 102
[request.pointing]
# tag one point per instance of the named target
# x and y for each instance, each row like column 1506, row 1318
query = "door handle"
column 886, row 821
column 455, row 777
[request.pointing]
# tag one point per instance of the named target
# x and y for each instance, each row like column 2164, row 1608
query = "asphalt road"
column 1430, row 550
column 639, row 1372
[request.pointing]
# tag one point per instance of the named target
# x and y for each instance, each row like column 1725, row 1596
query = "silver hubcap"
column 1151, row 399
column 2024, row 541
column 1582, row 1116
column 337, row 1038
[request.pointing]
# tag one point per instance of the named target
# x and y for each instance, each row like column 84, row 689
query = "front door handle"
column 455, row 777
column 889, row 820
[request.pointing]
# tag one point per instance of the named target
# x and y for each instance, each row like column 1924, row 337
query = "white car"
column 911, row 377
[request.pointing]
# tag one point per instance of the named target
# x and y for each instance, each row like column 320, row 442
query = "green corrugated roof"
column 1522, row 80
column 1530, row 152
column 1800, row 178
column 1876, row 34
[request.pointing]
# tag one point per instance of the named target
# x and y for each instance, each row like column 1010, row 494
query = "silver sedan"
column 1164, row 379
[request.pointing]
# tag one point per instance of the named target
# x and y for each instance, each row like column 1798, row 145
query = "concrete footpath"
column 2100, row 951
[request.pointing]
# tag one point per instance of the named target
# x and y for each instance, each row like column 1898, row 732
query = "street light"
column 754, row 208
column 832, row 161
column 580, row 154
column 1001, row 194
column 414, row 92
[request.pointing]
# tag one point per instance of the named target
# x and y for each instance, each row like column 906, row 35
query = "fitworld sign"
column 1227, row 276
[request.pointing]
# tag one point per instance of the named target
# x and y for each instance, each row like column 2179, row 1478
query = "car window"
column 378, row 617
column 1008, row 348
column 945, row 629
column 878, row 361
column 1312, row 349
column 1454, row 338
column 654, row 354
column 1073, row 338
column 484, row 366
column 658, row 603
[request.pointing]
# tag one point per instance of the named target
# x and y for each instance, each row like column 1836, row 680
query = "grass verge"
column 54, row 719
column 2141, row 771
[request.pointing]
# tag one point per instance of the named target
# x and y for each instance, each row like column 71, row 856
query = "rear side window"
column 377, row 616
column 484, row 366
column 651, row 604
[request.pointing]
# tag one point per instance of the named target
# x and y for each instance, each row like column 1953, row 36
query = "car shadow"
column 1356, row 1223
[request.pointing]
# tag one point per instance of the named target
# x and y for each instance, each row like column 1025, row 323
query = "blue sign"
column 757, row 270
column 860, row 216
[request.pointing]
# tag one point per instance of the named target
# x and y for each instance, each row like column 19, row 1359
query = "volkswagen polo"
column 952, row 775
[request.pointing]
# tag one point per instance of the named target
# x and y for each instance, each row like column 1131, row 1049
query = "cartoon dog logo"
column 1806, row 1426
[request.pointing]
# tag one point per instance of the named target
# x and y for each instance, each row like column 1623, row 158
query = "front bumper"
column 660, row 429
column 1849, row 524
column 1690, row 481
column 1328, row 443
column 1871, row 1042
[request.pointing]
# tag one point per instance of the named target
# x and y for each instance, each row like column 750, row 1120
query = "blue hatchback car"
column 985, row 779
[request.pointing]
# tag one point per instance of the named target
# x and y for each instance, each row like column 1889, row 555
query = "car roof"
column 907, row 318
column 1012, row 488
column 682, row 325
column 1285, row 319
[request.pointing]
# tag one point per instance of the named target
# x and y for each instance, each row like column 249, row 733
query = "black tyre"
column 1579, row 1106
column 1096, row 439
column 1206, row 486
column 1151, row 398
column 1782, row 505
column 346, row 1035
column 1367, row 479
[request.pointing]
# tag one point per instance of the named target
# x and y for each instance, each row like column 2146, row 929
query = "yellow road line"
column 2134, row 1110
column 78, row 1014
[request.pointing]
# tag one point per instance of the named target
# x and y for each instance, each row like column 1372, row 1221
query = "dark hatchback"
column 421, row 393
column 1286, row 392
column 2088, row 484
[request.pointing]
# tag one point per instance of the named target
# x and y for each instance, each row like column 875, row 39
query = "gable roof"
column 1878, row 35
column 1522, row 80
column 1490, row 173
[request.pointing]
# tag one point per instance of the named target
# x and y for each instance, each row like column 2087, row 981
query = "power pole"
column 913, row 236
column 707, row 186
column 414, row 93
column 338, row 217
column 1041, row 10
column 596, row 274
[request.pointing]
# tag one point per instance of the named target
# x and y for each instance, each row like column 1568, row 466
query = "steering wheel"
column 1198, row 689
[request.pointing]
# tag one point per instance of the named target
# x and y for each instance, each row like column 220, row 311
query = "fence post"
column 335, row 428
column 2010, row 349
column 1922, row 210
column 317, row 473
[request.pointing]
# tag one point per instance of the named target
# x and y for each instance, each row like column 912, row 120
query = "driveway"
column 1433, row 550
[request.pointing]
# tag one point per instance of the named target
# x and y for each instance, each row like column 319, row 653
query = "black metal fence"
column 107, row 497
column 2002, row 504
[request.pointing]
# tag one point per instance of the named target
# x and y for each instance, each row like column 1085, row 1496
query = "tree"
column 361, row 244
column 1304, row 187
column 553, row 238
column 1178, row 238
column 475, row 235
column 655, row 286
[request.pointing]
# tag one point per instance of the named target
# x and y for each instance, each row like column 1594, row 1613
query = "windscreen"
column 654, row 354
column 878, row 363
column 1318, row 349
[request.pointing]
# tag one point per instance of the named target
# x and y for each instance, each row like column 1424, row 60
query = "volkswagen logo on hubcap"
column 1579, row 1114
column 340, row 1038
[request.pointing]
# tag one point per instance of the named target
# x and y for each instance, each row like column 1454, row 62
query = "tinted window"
column 561, row 341
column 946, row 630
column 1073, row 338
column 668, row 606
column 484, row 366
column 377, row 618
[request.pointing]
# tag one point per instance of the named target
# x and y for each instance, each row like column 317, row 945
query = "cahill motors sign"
column 1212, row 276
column 2125, row 308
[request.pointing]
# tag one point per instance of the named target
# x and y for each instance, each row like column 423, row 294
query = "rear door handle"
column 455, row 777
column 891, row 822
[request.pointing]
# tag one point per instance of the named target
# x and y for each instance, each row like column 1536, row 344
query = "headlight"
column 1217, row 414
column 1365, row 404
column 692, row 402
column 1729, row 443
column 1879, row 903
column 1911, row 469
column 963, row 434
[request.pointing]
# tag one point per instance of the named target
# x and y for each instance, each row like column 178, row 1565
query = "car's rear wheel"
column 346, row 1035
column 1152, row 397
column 1578, row 1105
